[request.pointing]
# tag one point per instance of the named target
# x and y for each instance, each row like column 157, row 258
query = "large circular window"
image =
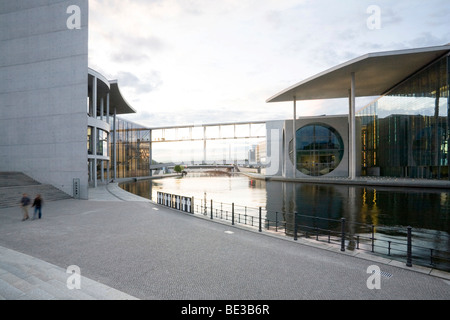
column 319, row 149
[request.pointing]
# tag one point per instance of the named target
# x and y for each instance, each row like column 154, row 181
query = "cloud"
column 145, row 85
column 211, row 61
column 428, row 39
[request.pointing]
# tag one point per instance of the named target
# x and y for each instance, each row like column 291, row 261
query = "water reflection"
column 322, row 206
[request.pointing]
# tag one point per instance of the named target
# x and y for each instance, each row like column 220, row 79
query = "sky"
column 192, row 62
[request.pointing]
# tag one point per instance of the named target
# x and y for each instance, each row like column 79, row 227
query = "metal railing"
column 388, row 241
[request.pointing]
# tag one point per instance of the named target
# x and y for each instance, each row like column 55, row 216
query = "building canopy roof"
column 375, row 73
column 117, row 101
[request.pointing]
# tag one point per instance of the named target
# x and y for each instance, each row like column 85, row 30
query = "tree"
column 178, row 168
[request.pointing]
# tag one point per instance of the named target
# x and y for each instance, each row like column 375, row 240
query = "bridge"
column 210, row 132
column 217, row 144
column 193, row 167
column 225, row 169
column 215, row 131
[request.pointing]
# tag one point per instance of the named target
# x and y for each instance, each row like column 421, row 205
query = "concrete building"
column 403, row 133
column 321, row 145
column 50, row 101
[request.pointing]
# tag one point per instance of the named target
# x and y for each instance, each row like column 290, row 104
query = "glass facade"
column 102, row 143
column 132, row 150
column 320, row 149
column 405, row 133
column 90, row 142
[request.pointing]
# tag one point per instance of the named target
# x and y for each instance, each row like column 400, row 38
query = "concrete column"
column 94, row 97
column 150, row 154
column 94, row 129
column 102, row 176
column 204, row 145
column 94, row 151
column 114, row 145
column 109, row 138
column 102, row 108
column 294, row 138
column 352, row 131
column 107, row 107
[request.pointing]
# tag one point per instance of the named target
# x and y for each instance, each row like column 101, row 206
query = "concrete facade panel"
column 43, row 92
column 283, row 129
column 10, row 6
column 15, row 102
column 17, row 52
column 43, row 75
column 30, row 19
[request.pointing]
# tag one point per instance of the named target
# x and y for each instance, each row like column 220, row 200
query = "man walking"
column 25, row 202
column 37, row 204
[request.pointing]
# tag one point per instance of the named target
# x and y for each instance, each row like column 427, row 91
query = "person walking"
column 25, row 202
column 37, row 204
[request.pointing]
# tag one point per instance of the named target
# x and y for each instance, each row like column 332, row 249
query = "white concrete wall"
column 43, row 90
column 284, row 167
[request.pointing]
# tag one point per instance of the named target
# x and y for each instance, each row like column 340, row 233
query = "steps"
column 15, row 179
column 23, row 277
column 14, row 184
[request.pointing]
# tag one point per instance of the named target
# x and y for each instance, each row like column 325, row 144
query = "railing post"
column 342, row 234
column 316, row 229
column 211, row 209
column 409, row 249
column 276, row 221
column 260, row 230
column 295, row 226
column 232, row 214
column 373, row 238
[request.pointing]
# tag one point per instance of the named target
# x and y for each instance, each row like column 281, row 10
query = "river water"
column 389, row 210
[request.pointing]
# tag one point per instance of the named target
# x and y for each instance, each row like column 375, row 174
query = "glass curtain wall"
column 405, row 133
column 132, row 150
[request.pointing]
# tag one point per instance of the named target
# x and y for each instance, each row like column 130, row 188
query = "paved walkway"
column 126, row 247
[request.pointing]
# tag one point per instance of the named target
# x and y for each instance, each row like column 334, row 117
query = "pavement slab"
column 131, row 248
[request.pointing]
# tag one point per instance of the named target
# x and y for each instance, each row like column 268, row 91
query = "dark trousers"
column 37, row 210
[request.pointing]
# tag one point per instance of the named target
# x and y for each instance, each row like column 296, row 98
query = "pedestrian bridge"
column 249, row 136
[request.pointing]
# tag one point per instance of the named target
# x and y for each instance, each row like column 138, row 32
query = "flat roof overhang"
column 117, row 101
column 375, row 74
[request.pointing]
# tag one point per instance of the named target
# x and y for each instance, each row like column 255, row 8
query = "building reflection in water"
column 428, row 213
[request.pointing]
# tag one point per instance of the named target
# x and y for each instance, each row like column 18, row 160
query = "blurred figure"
column 37, row 204
column 25, row 202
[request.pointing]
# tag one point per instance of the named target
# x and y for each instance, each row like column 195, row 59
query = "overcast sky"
column 182, row 62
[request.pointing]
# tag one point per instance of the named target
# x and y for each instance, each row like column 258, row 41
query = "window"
column 319, row 148
column 89, row 141
column 102, row 143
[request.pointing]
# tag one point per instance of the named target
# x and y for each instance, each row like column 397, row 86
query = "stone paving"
column 127, row 247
